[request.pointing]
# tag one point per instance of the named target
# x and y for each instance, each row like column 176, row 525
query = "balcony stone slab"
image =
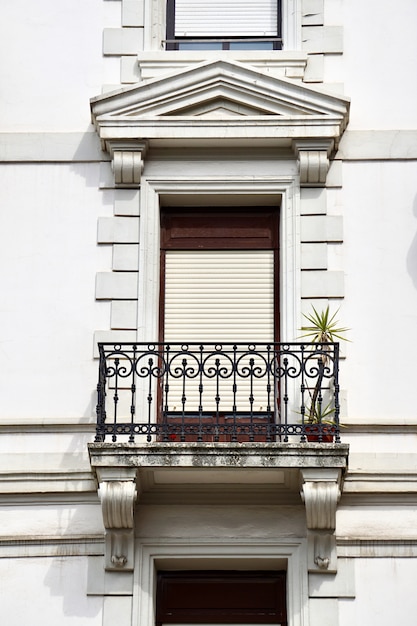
column 255, row 456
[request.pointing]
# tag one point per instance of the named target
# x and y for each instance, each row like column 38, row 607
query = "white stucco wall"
column 54, row 62
column 380, row 259
column 385, row 593
column 379, row 60
column 47, row 591
column 48, row 268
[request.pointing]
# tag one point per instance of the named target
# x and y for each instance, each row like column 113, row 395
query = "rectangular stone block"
column 321, row 228
column 71, row 146
column 118, row 41
column 313, row 201
column 116, row 285
column 322, row 284
column 334, row 175
column 125, row 257
column 118, row 230
column 312, row 13
column 126, row 202
column 102, row 583
column 132, row 13
column 124, row 314
column 314, row 256
column 129, row 70
column 314, row 72
column 322, row 39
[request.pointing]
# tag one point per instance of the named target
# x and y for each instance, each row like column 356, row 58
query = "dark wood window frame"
column 174, row 43
column 222, row 597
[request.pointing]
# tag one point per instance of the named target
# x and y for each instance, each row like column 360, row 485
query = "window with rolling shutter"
column 219, row 286
column 223, row 25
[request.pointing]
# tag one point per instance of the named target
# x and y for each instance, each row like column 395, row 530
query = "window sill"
column 275, row 62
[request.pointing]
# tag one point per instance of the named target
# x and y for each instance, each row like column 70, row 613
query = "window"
column 221, row 597
column 223, row 25
column 219, row 274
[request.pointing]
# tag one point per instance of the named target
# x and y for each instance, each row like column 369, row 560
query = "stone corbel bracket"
column 118, row 493
column 127, row 161
column 320, row 491
column 313, row 161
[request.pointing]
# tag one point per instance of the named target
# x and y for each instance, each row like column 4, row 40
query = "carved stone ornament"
column 127, row 162
column 321, row 492
column 117, row 501
column 313, row 161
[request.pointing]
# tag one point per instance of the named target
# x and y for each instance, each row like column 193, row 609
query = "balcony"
column 219, row 424
column 235, row 393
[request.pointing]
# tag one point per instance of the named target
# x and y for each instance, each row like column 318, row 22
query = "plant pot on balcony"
column 321, row 435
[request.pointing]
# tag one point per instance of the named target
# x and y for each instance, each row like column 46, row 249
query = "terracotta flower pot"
column 316, row 434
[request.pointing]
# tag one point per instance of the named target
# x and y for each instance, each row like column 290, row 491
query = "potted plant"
column 323, row 328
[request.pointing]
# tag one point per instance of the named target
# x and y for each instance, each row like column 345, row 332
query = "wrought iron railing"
column 218, row 392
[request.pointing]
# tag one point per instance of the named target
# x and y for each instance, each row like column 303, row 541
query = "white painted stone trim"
column 155, row 64
column 150, row 551
column 155, row 20
column 151, row 192
column 72, row 147
column 117, row 497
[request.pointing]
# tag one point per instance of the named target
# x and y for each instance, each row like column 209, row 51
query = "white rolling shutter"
column 225, row 18
column 218, row 297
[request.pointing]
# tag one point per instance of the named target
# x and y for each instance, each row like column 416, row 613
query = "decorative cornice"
column 204, row 102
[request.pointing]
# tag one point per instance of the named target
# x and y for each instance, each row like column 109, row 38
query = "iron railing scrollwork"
column 218, row 392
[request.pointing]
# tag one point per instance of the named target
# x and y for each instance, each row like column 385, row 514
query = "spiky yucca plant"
column 323, row 328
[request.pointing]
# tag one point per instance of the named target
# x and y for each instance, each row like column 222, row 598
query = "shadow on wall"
column 412, row 253
column 67, row 577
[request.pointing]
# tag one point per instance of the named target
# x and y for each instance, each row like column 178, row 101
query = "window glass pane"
column 254, row 45
column 199, row 45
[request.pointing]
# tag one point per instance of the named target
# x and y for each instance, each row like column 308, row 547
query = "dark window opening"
column 221, row 597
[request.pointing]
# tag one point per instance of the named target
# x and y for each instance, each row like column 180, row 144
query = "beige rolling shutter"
column 219, row 296
column 223, row 18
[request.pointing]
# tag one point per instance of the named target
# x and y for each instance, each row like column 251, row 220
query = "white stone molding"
column 227, row 553
column 154, row 64
column 152, row 192
column 167, row 110
column 127, row 161
column 313, row 161
column 155, row 20
column 117, row 496
column 320, row 492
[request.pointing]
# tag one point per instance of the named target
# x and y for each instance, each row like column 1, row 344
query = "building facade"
column 181, row 183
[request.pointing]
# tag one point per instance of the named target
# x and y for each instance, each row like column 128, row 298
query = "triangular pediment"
column 247, row 91
column 201, row 100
